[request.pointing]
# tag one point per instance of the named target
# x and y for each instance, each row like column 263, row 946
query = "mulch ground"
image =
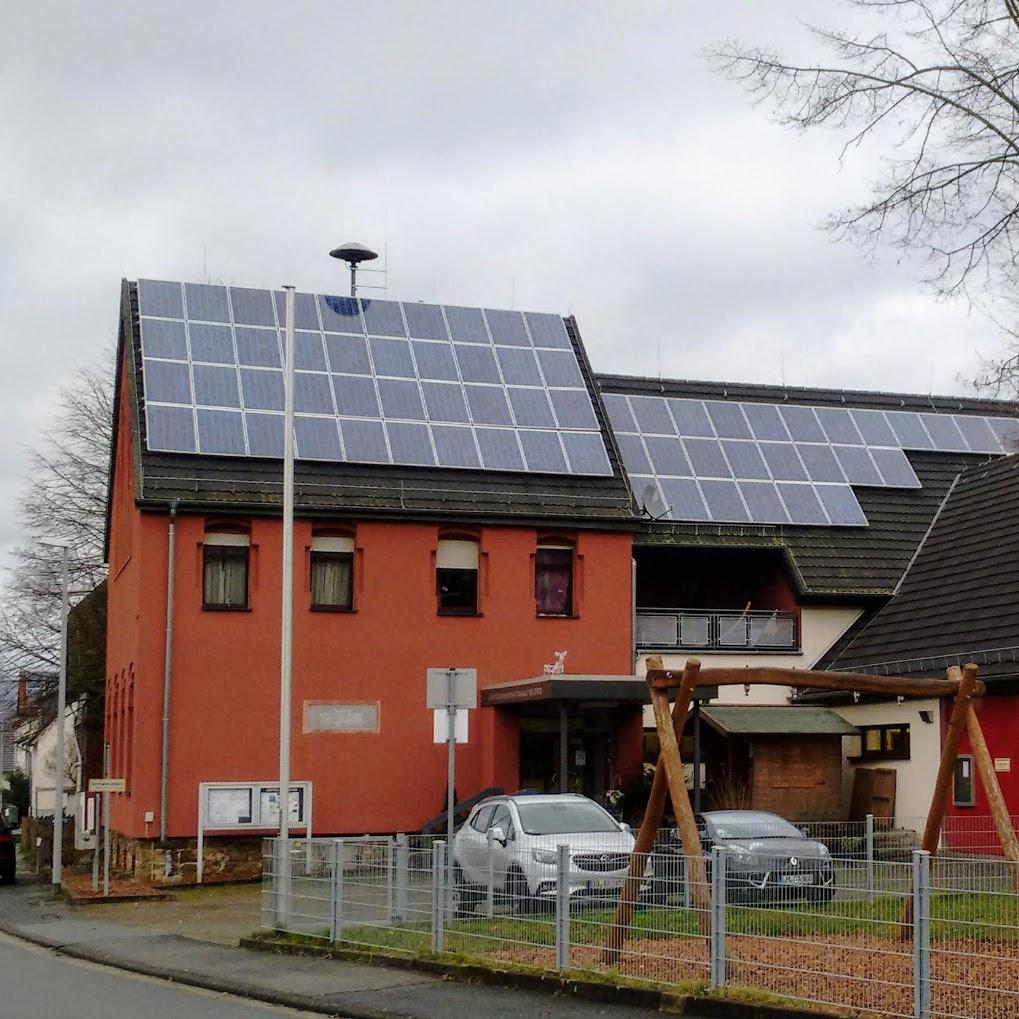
column 859, row 974
column 78, row 887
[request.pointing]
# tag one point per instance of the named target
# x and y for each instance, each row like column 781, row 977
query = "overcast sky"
column 559, row 156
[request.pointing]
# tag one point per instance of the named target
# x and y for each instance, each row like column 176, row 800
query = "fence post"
column 562, row 908
column 402, row 877
column 921, row 934
column 336, row 891
column 869, row 840
column 390, row 879
column 718, row 865
column 438, row 894
column 490, row 899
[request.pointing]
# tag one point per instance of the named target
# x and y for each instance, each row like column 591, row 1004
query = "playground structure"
column 960, row 684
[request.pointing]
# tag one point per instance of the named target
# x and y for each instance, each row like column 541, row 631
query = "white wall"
column 914, row 783
column 41, row 766
column 820, row 627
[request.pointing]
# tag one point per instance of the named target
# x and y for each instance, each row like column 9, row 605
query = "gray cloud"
column 569, row 156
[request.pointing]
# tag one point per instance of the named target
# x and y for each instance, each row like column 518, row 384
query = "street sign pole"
column 106, row 823
column 450, row 780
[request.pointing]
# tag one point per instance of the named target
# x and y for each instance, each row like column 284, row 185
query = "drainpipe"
column 167, row 668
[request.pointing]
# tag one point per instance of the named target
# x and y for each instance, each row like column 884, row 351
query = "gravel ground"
column 860, row 974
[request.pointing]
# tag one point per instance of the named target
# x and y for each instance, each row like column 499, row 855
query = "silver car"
column 509, row 843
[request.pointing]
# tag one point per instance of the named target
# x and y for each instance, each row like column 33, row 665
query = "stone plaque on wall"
column 341, row 716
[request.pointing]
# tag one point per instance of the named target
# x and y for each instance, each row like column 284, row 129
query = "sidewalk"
column 326, row 986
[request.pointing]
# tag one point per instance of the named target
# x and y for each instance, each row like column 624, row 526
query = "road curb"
column 702, row 1006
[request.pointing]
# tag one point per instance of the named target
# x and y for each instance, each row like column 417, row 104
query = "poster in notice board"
column 226, row 808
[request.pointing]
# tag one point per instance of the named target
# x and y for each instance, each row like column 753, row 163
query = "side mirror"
column 496, row 834
column 804, row 832
column 623, row 826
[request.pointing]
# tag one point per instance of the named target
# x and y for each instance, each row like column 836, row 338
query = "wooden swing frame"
column 961, row 685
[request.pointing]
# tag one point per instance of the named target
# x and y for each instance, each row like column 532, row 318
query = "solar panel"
column 805, row 481
column 375, row 381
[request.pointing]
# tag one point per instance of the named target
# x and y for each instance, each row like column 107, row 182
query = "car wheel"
column 7, row 876
column 518, row 891
column 464, row 896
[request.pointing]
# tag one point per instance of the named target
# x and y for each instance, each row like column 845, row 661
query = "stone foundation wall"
column 226, row 859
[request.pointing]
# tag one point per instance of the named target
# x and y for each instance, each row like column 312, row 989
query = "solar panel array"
column 375, row 381
column 730, row 462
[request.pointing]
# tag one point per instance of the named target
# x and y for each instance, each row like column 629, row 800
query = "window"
column 456, row 576
column 332, row 573
column 225, row 570
column 962, row 785
column 884, row 742
column 553, row 580
column 480, row 821
column 502, row 819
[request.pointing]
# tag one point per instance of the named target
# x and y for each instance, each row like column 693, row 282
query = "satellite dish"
column 352, row 253
column 651, row 502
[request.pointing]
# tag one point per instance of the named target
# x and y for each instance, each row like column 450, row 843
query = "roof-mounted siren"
column 353, row 254
column 651, row 502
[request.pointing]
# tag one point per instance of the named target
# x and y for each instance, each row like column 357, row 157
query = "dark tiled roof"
column 801, row 394
column 776, row 720
column 828, row 562
column 254, row 485
column 959, row 600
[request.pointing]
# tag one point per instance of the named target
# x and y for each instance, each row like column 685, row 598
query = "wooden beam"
column 966, row 681
column 992, row 789
column 652, row 821
column 896, row 686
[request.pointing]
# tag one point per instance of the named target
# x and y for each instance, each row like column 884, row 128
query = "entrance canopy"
column 543, row 695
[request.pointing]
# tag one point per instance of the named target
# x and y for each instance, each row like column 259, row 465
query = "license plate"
column 796, row 879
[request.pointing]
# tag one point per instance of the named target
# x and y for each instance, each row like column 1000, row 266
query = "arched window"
column 456, row 576
column 332, row 572
column 225, row 569
column 553, row 577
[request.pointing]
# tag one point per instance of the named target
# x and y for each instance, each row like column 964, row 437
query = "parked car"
column 768, row 858
column 522, row 833
column 8, row 852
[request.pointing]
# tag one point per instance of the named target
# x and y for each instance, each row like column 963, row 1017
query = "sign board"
column 465, row 688
column 338, row 716
column 1002, row 763
column 249, row 806
column 440, row 726
column 107, row 785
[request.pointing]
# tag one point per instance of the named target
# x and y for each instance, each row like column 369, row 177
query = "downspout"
column 167, row 668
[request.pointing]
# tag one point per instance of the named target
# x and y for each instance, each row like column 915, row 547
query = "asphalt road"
column 37, row 982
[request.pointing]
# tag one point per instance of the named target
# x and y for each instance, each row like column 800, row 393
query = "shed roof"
column 753, row 720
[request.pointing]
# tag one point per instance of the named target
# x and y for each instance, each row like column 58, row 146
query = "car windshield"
column 753, row 828
column 564, row 818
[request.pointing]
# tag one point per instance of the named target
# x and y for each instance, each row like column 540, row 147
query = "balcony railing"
column 712, row 630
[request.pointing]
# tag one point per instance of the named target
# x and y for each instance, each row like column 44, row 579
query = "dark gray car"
column 767, row 859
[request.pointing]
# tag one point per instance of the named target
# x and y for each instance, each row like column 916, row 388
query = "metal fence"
column 903, row 934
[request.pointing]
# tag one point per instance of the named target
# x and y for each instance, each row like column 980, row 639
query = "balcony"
column 714, row 630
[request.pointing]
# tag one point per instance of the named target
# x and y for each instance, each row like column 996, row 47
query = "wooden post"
column 995, row 800
column 946, row 772
column 650, row 824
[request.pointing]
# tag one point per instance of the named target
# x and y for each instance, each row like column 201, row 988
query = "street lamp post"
column 287, row 612
column 58, row 783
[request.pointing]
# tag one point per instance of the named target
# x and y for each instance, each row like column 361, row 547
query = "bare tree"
column 938, row 85
column 64, row 499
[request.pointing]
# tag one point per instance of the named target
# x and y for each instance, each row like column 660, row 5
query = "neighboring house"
column 38, row 759
column 958, row 602
column 468, row 493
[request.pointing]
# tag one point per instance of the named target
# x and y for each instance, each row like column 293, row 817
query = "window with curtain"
column 225, row 570
column 456, row 576
column 553, row 580
column 332, row 573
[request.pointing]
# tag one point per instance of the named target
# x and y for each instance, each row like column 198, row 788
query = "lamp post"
column 58, row 781
column 287, row 601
